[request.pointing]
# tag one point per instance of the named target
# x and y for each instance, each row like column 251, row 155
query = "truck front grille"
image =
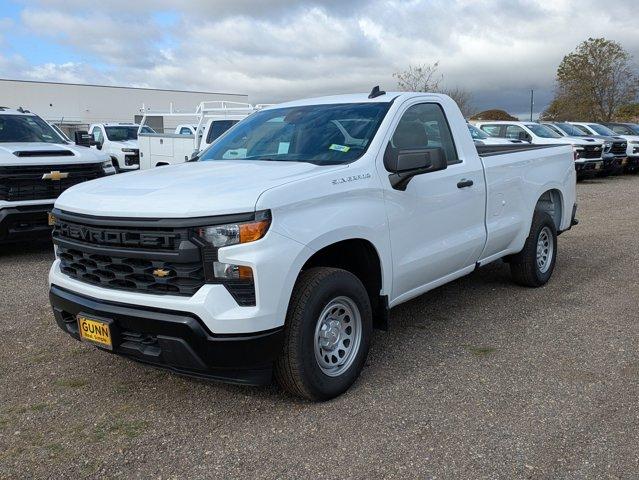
column 590, row 152
column 618, row 148
column 145, row 259
column 151, row 256
column 40, row 182
column 132, row 274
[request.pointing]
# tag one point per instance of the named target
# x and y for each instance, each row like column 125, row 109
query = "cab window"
column 515, row 132
column 492, row 130
column 425, row 126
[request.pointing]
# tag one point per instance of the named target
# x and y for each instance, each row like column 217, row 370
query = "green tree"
column 628, row 113
column 493, row 114
column 593, row 82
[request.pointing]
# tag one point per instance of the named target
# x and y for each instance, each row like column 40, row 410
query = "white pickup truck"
column 36, row 165
column 214, row 119
column 120, row 142
column 291, row 238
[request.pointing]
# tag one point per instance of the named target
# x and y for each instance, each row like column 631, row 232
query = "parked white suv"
column 293, row 235
column 120, row 142
column 37, row 165
column 588, row 152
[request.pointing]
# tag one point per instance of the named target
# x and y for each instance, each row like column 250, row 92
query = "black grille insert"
column 27, row 182
column 134, row 274
column 590, row 151
column 618, row 148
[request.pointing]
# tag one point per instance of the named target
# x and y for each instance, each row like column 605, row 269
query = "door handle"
column 463, row 183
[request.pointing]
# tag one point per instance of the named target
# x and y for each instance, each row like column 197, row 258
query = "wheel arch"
column 360, row 257
column 552, row 202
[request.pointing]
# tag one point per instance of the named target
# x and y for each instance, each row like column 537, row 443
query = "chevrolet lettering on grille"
column 115, row 238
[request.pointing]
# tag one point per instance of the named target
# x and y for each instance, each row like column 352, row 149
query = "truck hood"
column 40, row 153
column 197, row 189
column 125, row 144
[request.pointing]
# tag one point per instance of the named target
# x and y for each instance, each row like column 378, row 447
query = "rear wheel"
column 533, row 266
column 327, row 334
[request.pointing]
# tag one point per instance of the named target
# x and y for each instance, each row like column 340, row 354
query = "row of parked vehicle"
column 599, row 148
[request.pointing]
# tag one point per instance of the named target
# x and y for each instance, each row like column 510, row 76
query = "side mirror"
column 84, row 139
column 405, row 164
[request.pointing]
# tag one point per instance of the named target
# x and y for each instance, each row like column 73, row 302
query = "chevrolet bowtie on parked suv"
column 36, row 165
column 292, row 236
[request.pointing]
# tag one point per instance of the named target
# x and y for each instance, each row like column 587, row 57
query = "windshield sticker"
column 339, row 148
column 237, row 153
column 283, row 147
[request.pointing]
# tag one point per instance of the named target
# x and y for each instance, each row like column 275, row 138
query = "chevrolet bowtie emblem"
column 161, row 273
column 55, row 176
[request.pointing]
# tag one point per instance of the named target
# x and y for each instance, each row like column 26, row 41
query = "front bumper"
column 177, row 341
column 587, row 168
column 24, row 222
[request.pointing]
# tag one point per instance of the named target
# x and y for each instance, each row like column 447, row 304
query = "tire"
column 308, row 367
column 524, row 266
column 116, row 165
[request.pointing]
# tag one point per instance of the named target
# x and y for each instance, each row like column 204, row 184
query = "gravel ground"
column 477, row 379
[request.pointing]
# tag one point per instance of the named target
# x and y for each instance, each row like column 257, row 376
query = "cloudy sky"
column 276, row 50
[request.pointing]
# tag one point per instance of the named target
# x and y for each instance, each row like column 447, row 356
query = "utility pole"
column 532, row 103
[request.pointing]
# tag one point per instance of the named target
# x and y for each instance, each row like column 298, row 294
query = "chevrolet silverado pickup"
column 36, row 165
column 120, row 142
column 276, row 253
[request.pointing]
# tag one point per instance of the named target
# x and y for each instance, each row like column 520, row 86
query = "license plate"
column 51, row 219
column 95, row 331
column 597, row 166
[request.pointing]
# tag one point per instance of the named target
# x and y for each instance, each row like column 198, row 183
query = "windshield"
column 601, row 130
column 570, row 130
column 542, row 131
column 26, row 128
column 635, row 128
column 476, row 133
column 319, row 134
column 125, row 132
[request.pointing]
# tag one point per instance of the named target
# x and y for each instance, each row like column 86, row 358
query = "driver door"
column 437, row 224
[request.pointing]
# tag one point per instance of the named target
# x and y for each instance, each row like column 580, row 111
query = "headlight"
column 634, row 142
column 129, row 150
column 235, row 233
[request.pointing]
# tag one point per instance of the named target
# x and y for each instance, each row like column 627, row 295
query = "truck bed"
column 488, row 150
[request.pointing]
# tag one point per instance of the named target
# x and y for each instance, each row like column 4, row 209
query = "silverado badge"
column 161, row 273
column 55, row 176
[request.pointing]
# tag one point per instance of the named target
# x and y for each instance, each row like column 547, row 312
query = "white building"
column 74, row 106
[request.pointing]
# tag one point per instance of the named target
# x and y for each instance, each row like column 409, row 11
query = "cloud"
column 282, row 49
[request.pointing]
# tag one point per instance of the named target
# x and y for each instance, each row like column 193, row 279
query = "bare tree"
column 426, row 78
column 419, row 78
column 463, row 98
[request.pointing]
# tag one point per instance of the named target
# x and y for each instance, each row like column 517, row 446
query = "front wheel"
column 533, row 266
column 327, row 334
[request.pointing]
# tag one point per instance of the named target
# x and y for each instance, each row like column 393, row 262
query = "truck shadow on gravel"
column 21, row 249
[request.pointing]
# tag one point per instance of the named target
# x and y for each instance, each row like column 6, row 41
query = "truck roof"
column 13, row 111
column 353, row 98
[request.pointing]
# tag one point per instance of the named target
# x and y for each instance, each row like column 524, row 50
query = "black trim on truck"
column 177, row 341
column 490, row 150
column 152, row 256
column 24, row 223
